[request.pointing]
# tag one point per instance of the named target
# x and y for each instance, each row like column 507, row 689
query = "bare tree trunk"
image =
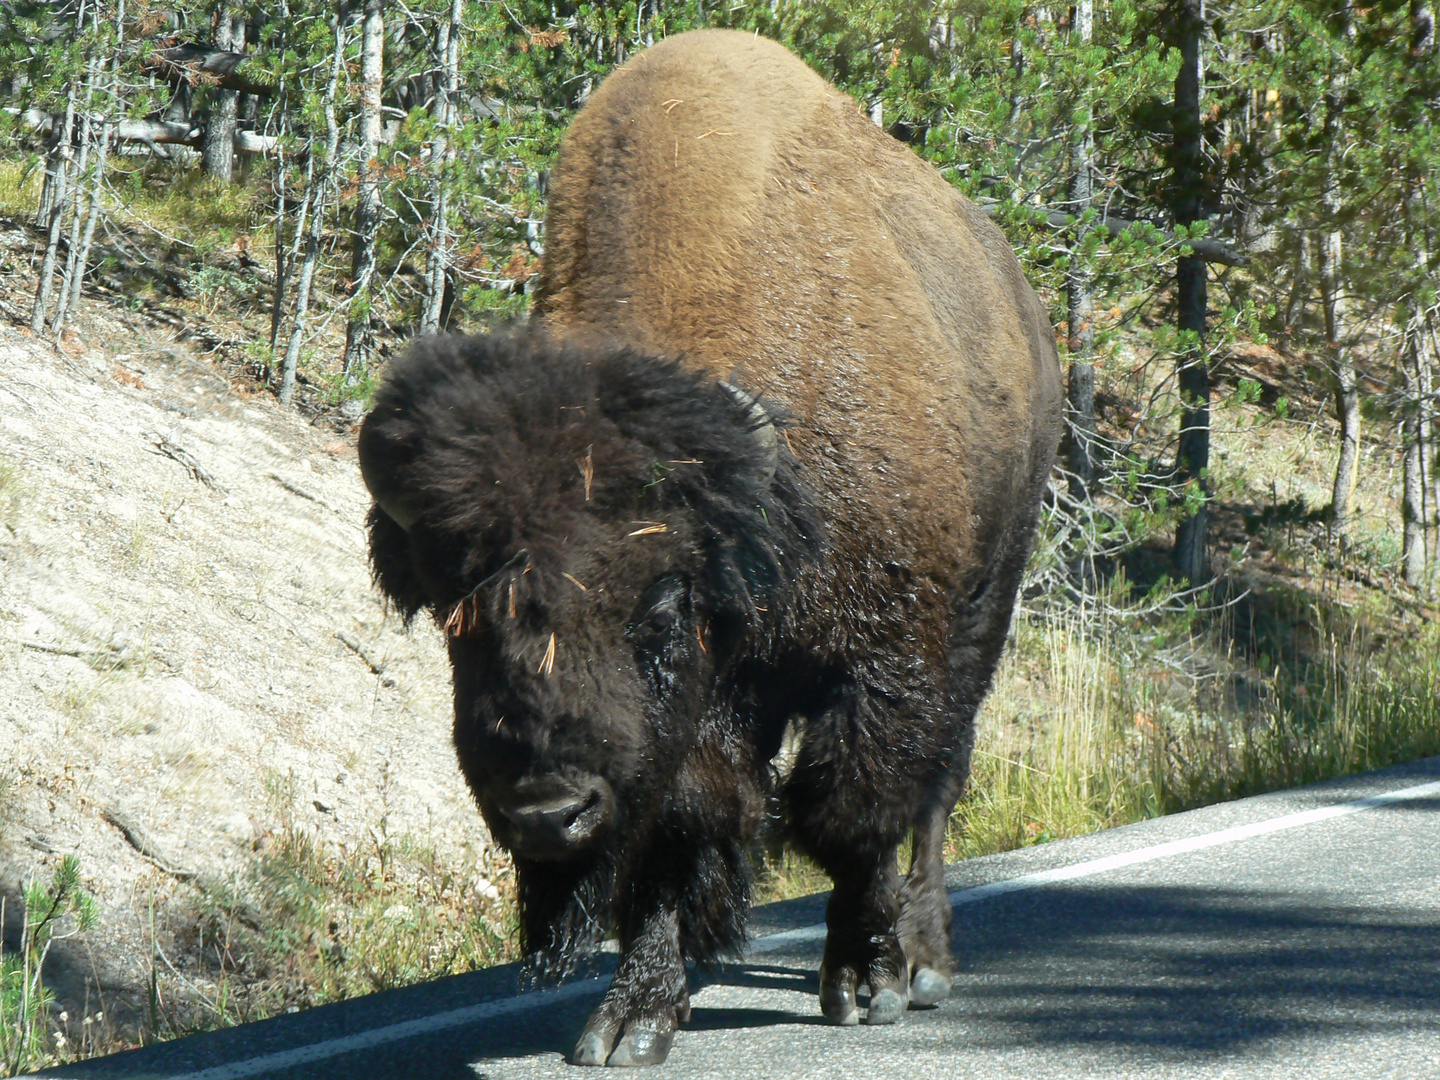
column 218, row 150
column 317, row 182
column 277, row 306
column 97, row 187
column 77, row 218
column 368, row 206
column 82, row 230
column 1080, row 297
column 92, row 218
column 284, row 263
column 1299, row 282
column 1429, row 452
column 1412, row 435
column 1345, row 383
column 57, row 185
column 1017, row 100
column 1415, row 363
column 442, row 156
column 1192, row 456
column 315, row 200
column 1346, row 389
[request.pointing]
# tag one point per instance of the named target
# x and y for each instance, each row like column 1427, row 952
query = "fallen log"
column 154, row 132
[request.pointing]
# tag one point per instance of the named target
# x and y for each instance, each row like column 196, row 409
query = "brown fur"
column 718, row 201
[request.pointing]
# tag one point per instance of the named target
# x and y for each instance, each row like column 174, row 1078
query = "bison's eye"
column 663, row 607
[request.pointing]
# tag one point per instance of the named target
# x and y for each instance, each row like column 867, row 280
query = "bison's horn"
column 762, row 427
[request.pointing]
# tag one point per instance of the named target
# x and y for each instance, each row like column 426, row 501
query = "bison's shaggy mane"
column 514, row 439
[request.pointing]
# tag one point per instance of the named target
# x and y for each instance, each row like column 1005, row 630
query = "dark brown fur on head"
column 514, row 440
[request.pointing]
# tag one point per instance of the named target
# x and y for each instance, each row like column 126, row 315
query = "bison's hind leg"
column 861, row 945
column 846, row 815
column 924, row 923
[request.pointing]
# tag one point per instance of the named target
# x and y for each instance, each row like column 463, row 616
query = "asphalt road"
column 1290, row 935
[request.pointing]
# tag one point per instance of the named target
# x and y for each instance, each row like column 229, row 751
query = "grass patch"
column 20, row 185
column 1096, row 723
column 344, row 923
column 340, row 922
column 9, row 784
column 782, row 873
column 193, row 207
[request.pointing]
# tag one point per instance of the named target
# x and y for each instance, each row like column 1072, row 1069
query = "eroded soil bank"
column 198, row 683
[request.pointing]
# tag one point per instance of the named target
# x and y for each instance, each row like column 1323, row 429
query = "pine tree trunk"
column 55, row 199
column 368, row 206
column 317, row 182
column 1017, row 101
column 1412, row 510
column 1345, row 383
column 1299, row 282
column 442, row 155
column 92, row 218
column 218, row 149
column 1429, row 450
column 1416, row 510
column 315, row 196
column 70, row 279
column 1192, row 457
column 1080, row 297
column 282, row 267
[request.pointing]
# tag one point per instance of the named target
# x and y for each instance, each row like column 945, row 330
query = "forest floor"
column 203, row 698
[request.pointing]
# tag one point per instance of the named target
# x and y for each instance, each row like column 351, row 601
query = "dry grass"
column 1094, row 725
column 340, row 922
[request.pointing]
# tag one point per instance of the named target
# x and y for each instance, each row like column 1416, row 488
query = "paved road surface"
column 1290, row 935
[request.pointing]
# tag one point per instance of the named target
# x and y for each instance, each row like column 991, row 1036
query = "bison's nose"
column 553, row 818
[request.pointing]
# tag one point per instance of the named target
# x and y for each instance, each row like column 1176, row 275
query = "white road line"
column 1076, row 871
column 408, row 1029
column 471, row 1014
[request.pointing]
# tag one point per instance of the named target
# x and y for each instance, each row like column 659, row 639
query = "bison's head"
column 600, row 535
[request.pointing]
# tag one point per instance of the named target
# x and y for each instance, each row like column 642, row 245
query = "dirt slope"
column 181, row 568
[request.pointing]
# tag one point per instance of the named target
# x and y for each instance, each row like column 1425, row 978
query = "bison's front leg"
column 861, row 945
column 647, row 1000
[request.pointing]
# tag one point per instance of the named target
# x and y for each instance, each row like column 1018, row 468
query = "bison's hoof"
column 642, row 1047
column 928, row 987
column 590, row 1050
column 837, row 997
column 639, row 1046
column 885, row 1007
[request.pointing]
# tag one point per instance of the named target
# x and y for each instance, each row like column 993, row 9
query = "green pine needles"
column 54, row 911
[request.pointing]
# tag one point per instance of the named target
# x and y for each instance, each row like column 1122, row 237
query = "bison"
column 764, row 467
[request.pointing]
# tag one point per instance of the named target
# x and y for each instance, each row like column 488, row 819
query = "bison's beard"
column 568, row 909
column 564, row 914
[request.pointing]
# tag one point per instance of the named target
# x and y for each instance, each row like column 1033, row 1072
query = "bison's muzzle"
column 553, row 817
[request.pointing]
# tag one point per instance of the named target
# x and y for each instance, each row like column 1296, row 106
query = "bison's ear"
column 388, row 445
column 393, row 564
